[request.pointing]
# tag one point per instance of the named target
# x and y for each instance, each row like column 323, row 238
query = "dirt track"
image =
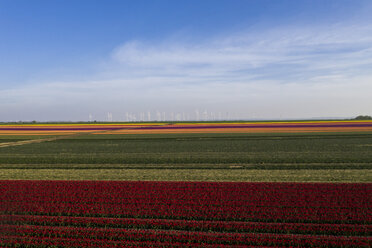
column 25, row 142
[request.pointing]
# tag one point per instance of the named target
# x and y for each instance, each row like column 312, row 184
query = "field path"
column 25, row 142
column 32, row 141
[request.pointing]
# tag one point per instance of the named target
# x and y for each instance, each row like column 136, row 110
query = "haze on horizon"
column 260, row 59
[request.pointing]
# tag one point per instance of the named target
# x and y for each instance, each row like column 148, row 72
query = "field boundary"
column 25, row 142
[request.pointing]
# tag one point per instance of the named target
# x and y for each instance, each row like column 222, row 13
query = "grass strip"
column 234, row 175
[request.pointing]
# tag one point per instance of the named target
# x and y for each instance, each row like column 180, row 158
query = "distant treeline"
column 363, row 117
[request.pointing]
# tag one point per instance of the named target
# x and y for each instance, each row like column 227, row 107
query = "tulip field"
column 185, row 214
column 192, row 184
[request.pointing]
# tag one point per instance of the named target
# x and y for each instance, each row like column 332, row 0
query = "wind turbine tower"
column 109, row 117
column 197, row 114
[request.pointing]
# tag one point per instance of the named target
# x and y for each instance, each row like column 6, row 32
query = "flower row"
column 114, row 234
column 190, row 225
column 263, row 202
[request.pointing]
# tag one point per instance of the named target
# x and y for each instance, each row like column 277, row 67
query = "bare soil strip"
column 25, row 142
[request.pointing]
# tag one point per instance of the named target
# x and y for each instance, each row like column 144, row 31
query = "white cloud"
column 289, row 72
column 312, row 48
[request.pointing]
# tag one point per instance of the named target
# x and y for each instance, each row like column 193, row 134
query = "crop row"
column 189, row 237
column 337, row 195
column 45, row 242
column 190, row 225
column 188, row 158
column 195, row 212
column 263, row 202
column 258, row 166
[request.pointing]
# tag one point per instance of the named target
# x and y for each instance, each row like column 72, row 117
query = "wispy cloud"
column 285, row 72
column 306, row 51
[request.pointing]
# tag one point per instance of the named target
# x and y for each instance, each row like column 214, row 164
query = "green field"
column 317, row 157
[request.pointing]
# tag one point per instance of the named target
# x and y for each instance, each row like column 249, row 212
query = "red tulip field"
column 184, row 214
column 223, row 184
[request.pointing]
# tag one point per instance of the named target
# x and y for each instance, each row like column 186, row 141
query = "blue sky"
column 264, row 59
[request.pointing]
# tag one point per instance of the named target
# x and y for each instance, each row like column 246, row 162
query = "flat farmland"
column 110, row 154
column 258, row 184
